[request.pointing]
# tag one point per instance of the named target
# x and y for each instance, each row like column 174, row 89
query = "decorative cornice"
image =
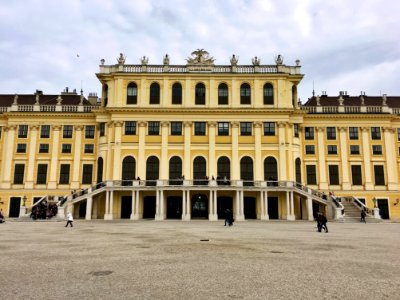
column 258, row 124
column 342, row 129
column 281, row 124
column 187, row 123
column 110, row 124
column 235, row 124
column 164, row 123
column 142, row 124
column 389, row 129
column 118, row 123
column 212, row 124
column 364, row 129
column 320, row 129
column 79, row 127
column 56, row 127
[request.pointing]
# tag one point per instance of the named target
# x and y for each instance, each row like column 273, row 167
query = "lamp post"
column 24, row 200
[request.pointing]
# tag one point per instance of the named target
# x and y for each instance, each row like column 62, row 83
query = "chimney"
column 384, row 99
column 93, row 99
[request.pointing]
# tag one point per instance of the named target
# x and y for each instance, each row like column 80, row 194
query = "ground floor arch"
column 199, row 206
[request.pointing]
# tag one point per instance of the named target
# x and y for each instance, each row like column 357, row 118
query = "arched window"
column 268, row 94
column 105, row 93
column 154, row 93
column 131, row 95
column 99, row 170
column 199, row 171
column 294, row 95
column 200, row 97
column 298, row 170
column 128, row 169
column 246, row 171
column 270, row 169
column 175, row 170
column 152, row 170
column 177, row 93
column 223, row 170
column 245, row 94
column 222, row 94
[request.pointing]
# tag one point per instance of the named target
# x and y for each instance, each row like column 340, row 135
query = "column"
column 369, row 185
column 235, row 151
column 162, row 205
column 239, row 206
column 109, row 152
column 289, row 150
column 210, row 205
column 134, row 213
column 262, row 205
column 164, row 165
column 391, row 164
column 188, row 206
column 282, row 152
column 8, row 155
column 137, row 216
column 212, row 171
column 215, row 206
column 266, row 205
column 257, row 146
column 52, row 184
column 187, row 125
column 157, row 205
column 309, row 209
column 292, row 216
column 287, row 206
column 109, row 208
column 323, row 184
column 183, row 205
column 75, row 183
column 117, row 151
column 32, row 156
column 89, row 204
column 141, row 158
column 344, row 160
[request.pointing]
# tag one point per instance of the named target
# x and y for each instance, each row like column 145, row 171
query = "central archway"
column 200, row 206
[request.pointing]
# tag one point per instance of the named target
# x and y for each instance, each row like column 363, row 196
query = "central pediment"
column 200, row 60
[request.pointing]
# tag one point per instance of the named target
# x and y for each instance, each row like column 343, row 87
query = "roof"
column 392, row 101
column 30, row 99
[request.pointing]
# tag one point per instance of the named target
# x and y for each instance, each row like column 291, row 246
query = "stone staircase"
column 352, row 214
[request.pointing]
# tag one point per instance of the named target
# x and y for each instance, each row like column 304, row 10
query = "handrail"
column 338, row 206
column 28, row 209
column 362, row 206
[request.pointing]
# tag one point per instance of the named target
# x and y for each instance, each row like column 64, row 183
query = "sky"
column 342, row 45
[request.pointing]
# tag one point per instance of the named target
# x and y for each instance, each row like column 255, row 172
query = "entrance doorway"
column 149, row 207
column 15, row 203
column 249, row 207
column 223, row 203
column 174, row 207
column 126, row 207
column 383, row 208
column 273, row 211
column 315, row 209
column 200, row 206
column 82, row 209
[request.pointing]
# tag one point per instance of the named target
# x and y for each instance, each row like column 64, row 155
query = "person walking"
column 363, row 215
column 70, row 219
column 227, row 217
column 323, row 224
column 1, row 216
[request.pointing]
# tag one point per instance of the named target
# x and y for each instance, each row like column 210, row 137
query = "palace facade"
column 190, row 141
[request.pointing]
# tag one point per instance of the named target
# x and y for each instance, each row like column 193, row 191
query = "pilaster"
column 8, row 154
column 117, row 150
column 235, row 151
column 282, row 152
column 187, row 125
column 77, row 157
column 141, row 158
column 257, row 146
column 52, row 184
column 393, row 181
column 323, row 184
column 211, row 149
column 369, row 185
column 344, row 158
column 164, row 150
column 33, row 129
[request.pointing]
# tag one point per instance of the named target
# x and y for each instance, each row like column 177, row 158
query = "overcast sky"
column 342, row 45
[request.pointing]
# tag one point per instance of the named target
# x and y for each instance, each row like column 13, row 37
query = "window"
column 356, row 174
column 23, row 131
column 154, row 128
column 200, row 97
column 154, row 93
column 296, row 130
column 21, row 148
column 130, row 128
column 268, row 94
column 309, row 133
column 45, row 131
column 89, row 131
column 44, row 148
column 222, row 94
column 332, row 149
column 41, row 174
column 1, row 129
column 398, row 134
column 19, row 173
column 67, row 131
column 310, row 149
column 333, row 174
column 269, row 128
column 223, row 168
column 379, row 175
column 354, row 149
column 176, row 128
column 131, row 97
column 311, row 174
column 175, row 170
column 177, row 93
column 199, row 128
column 247, row 171
column 87, row 172
column 376, row 133
column 152, row 170
column 89, row 148
column 66, row 148
column 270, row 169
column 102, row 129
column 245, row 128
column 377, row 149
column 64, row 174
column 245, row 94
column 331, row 133
column 128, row 169
column 105, row 93
column 223, row 128
column 353, row 133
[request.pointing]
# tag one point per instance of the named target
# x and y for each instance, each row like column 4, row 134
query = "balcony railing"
column 46, row 108
column 351, row 109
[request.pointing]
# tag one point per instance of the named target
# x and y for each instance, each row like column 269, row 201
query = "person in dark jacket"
column 363, row 215
column 228, row 217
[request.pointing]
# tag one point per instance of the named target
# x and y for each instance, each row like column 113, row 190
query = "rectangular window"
column 87, row 174
column 66, row 148
column 67, row 131
column 154, row 128
column 223, row 128
column 332, row 149
column 41, row 174
column 309, row 133
column 354, row 149
column 176, row 128
column 19, row 173
column 89, row 131
column 331, row 133
column 296, row 130
column 398, row 134
column 353, row 133
column 64, row 174
column 333, row 174
column 102, row 129
column 311, row 174
column 44, row 148
column 269, row 128
column 379, row 175
column 376, row 149
column 1, row 130
column 89, row 148
column 45, row 131
column 21, row 148
column 310, row 149
column 245, row 128
column 356, row 174
column 23, row 131
column 199, row 128
column 130, row 128
column 375, row 133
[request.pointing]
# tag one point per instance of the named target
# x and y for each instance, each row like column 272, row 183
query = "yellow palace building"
column 190, row 141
